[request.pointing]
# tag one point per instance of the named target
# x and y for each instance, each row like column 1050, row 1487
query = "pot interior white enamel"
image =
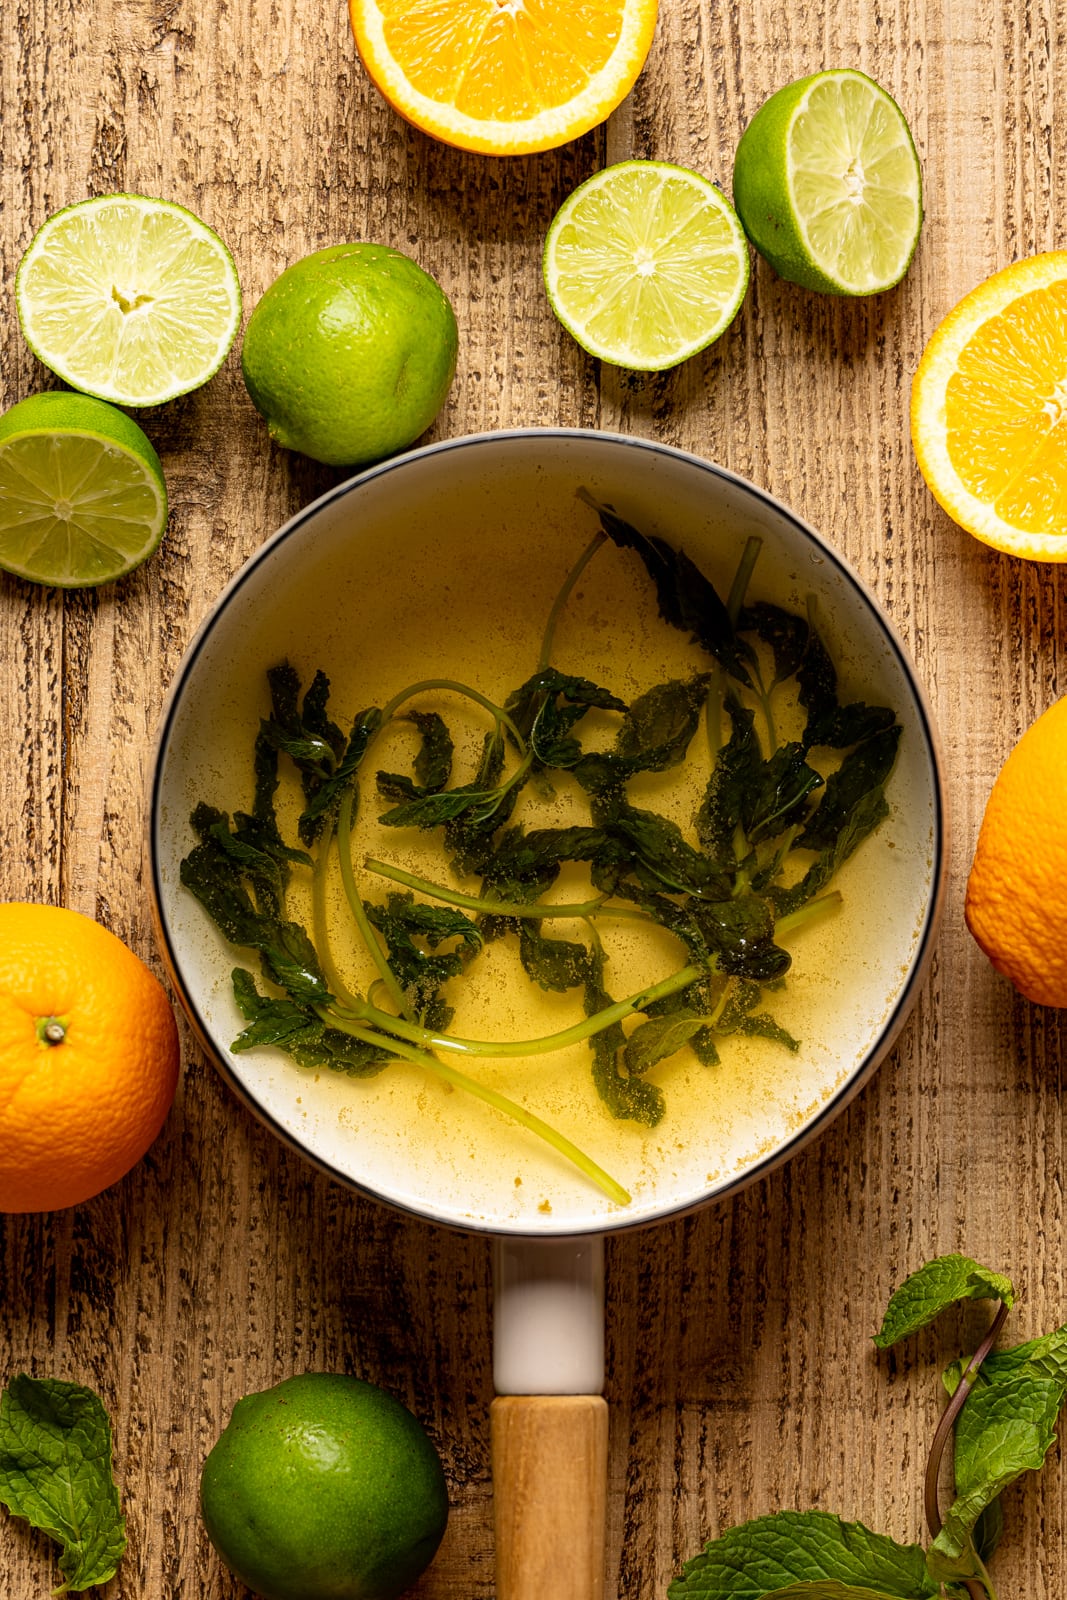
column 444, row 564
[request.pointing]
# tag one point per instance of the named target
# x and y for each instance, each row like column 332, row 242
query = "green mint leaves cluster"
column 774, row 819
column 1001, row 1417
column 55, row 1470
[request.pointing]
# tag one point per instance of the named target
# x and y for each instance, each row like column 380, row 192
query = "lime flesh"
column 828, row 186
column 645, row 264
column 129, row 299
column 82, row 496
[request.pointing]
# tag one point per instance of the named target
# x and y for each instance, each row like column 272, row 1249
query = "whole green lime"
column 324, row 1488
column 350, row 354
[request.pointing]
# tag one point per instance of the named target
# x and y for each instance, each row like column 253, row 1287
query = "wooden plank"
column 741, row 1373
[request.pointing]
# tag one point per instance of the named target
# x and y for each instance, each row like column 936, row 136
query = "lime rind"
column 646, row 264
column 828, row 185
column 128, row 299
column 82, row 495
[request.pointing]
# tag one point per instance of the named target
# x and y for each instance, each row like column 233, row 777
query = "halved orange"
column 989, row 410
column 504, row 77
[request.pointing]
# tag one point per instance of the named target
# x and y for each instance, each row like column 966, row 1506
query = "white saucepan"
column 444, row 563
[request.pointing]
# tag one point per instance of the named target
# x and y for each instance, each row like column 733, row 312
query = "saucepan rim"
column 836, row 1100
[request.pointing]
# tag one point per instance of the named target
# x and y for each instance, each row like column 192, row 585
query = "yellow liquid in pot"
column 481, row 621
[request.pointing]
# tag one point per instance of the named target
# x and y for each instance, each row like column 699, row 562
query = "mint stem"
column 359, row 915
column 548, row 640
column 537, row 910
column 426, row 685
column 979, row 1589
column 526, row 1119
column 503, row 1049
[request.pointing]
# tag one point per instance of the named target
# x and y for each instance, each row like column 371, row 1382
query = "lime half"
column 645, row 264
column 129, row 299
column 82, row 497
column 828, row 185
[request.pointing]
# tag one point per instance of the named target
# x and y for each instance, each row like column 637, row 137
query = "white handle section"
column 548, row 1316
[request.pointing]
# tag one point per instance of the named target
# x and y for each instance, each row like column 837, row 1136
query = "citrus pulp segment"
column 988, row 410
column 82, row 496
column 828, row 185
column 131, row 299
column 504, row 77
column 645, row 264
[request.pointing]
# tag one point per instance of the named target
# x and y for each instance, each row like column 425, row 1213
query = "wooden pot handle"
column 550, row 1472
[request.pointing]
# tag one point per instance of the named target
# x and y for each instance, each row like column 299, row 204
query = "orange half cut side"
column 989, row 410
column 504, row 77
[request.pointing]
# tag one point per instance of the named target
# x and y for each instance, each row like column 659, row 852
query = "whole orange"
column 1016, row 903
column 88, row 1057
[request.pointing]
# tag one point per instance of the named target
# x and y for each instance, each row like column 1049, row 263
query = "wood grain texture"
column 742, row 1377
column 550, row 1466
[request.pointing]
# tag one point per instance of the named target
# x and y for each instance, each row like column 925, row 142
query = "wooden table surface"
column 742, row 1376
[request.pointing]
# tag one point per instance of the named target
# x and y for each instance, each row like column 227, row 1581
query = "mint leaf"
column 936, row 1286
column 1005, row 1429
column 55, row 1470
column 804, row 1555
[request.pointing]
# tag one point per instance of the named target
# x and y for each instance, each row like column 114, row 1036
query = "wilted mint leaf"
column 936, row 1286
column 55, row 1470
column 804, row 1555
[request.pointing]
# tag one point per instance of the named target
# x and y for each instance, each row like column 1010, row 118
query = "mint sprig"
column 1001, row 1415
column 55, row 1470
column 805, row 1555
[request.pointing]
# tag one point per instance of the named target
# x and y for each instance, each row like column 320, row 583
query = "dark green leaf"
column 405, row 924
column 434, row 810
column 304, row 749
column 870, row 810
column 739, row 1015
column 659, row 845
column 433, row 762
column 556, row 964
column 301, row 1033
column 861, row 774
column 659, row 1037
column 551, row 738
column 288, row 955
column 324, row 802
column 547, row 687
column 740, row 932
column 654, row 736
column 785, row 632
column 469, row 836
column 779, row 797
column 687, row 599
column 735, row 776
column 265, row 872
column 310, row 748
column 830, row 724
column 315, row 719
column 55, row 1471
column 628, row 1097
